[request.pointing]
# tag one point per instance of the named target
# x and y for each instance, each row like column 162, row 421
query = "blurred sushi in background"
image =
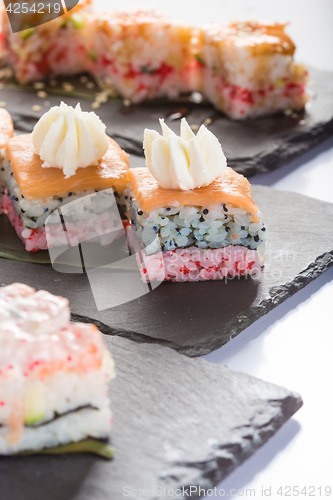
column 58, row 47
column 248, row 69
column 144, row 54
column 54, row 375
column 245, row 69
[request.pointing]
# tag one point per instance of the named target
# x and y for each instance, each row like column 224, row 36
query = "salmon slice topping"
column 229, row 187
column 36, row 181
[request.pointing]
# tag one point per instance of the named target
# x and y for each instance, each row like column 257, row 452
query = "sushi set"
column 121, row 230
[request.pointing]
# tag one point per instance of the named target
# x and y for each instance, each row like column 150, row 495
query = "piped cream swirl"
column 183, row 162
column 69, row 138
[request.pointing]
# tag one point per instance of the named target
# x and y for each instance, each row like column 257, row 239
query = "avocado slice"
column 34, row 403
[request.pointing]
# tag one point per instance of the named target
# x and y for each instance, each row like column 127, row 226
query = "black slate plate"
column 251, row 146
column 177, row 422
column 197, row 318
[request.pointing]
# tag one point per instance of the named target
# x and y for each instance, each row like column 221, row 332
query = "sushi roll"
column 194, row 217
column 67, row 158
column 248, row 69
column 143, row 54
column 61, row 46
column 6, row 132
column 53, row 374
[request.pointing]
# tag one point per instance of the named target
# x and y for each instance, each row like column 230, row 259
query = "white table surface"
column 292, row 345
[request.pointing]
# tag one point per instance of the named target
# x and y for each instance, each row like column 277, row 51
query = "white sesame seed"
column 2, row 104
column 47, row 103
column 68, row 87
column 208, row 121
column 95, row 105
column 126, row 103
column 195, row 127
column 41, row 94
column 39, row 85
column 36, row 108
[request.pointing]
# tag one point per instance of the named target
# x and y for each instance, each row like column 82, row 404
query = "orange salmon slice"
column 6, row 127
column 35, row 181
column 229, row 187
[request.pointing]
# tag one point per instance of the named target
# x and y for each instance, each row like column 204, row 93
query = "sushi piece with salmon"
column 248, row 69
column 6, row 132
column 67, row 158
column 143, row 54
column 194, row 217
column 54, row 375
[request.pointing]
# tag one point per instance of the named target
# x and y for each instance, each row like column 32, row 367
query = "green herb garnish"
column 92, row 55
column 200, row 59
column 78, row 21
column 147, row 70
column 27, row 33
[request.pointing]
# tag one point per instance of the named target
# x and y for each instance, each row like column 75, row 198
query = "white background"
column 292, row 345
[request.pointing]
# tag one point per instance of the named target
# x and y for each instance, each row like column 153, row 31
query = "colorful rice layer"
column 144, row 55
column 214, row 226
column 248, row 69
column 97, row 228
column 43, row 51
column 196, row 264
column 54, row 382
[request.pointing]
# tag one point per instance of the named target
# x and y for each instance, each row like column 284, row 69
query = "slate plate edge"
column 215, row 469
column 321, row 264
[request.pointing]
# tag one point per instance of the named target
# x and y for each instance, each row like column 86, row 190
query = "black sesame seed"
column 11, row 173
column 140, row 212
column 202, row 219
column 177, row 229
column 227, row 229
column 22, row 211
column 70, row 194
column 46, row 210
column 22, row 195
column 242, row 228
column 225, row 216
column 16, row 198
column 126, row 197
column 60, row 199
column 263, row 229
column 168, row 209
column 225, row 207
column 205, row 212
column 248, row 235
column 256, row 239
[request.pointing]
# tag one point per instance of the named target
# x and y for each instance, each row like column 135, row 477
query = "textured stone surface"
column 177, row 422
column 197, row 318
column 251, row 146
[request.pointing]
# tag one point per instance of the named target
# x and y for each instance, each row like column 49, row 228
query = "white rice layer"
column 67, row 429
column 35, row 212
column 214, row 226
